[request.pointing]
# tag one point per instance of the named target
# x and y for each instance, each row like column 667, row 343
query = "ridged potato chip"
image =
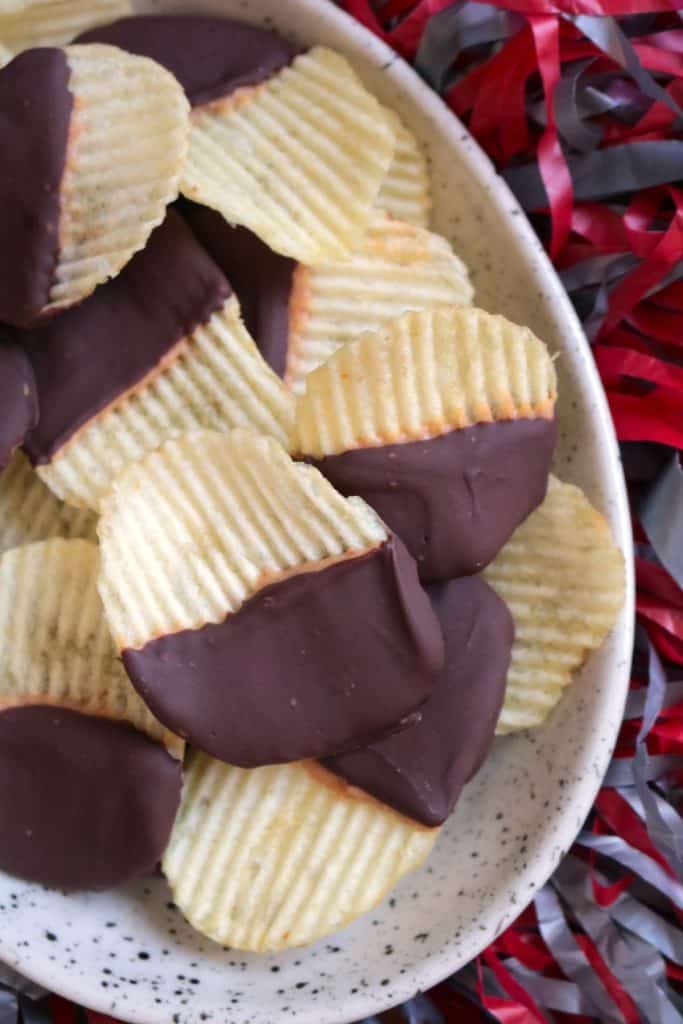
column 28, row 23
column 562, row 577
column 406, row 190
column 423, row 375
column 56, row 648
column 230, row 575
column 127, row 144
column 237, row 514
column 299, row 159
column 215, row 379
column 444, row 422
column 396, row 267
column 275, row 857
column 30, row 512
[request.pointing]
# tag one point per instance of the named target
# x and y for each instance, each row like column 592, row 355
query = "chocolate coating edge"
column 211, row 57
column 315, row 663
column 421, row 771
column 85, row 802
column 35, row 117
column 89, row 356
column 262, row 279
column 455, row 499
column 18, row 399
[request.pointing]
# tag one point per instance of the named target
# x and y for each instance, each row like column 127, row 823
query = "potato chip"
column 237, row 514
column 444, row 422
column 127, row 143
column 423, row 375
column 29, row 511
column 28, row 23
column 275, row 857
column 562, row 577
column 395, row 268
column 406, row 190
column 56, row 648
column 233, row 579
column 299, row 159
column 215, row 379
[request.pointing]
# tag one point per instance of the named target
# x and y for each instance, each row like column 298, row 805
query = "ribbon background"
column 579, row 103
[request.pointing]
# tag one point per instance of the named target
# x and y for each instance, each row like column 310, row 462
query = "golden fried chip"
column 28, row 23
column 298, row 159
column 127, row 144
column 215, row 379
column 55, row 647
column 562, row 577
column 237, row 513
column 406, row 190
column 29, row 511
column 274, row 857
column 421, row 376
column 396, row 267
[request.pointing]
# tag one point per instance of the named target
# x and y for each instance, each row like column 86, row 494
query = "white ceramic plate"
column 129, row 952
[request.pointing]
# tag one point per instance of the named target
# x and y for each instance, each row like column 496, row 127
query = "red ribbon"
column 616, row 363
column 602, row 227
column 551, row 161
column 655, row 417
column 661, row 251
column 494, row 93
column 522, row 1010
column 623, row 820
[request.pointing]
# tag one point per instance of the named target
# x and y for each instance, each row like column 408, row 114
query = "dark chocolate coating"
column 421, row 771
column 262, row 279
column 210, row 57
column 454, row 500
column 18, row 399
column 311, row 665
column 85, row 802
column 90, row 355
column 35, row 113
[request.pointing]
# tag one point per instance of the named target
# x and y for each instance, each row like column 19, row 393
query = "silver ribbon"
column 668, row 813
column 666, row 834
column 9, row 1007
column 572, row 112
column 634, row 962
column 661, row 515
column 635, row 704
column 456, row 29
column 605, row 32
column 564, row 996
column 627, row 167
column 621, row 771
column 603, row 269
column 640, row 920
column 12, row 979
column 566, row 951
column 648, row 869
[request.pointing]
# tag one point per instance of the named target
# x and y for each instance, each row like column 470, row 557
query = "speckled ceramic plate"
column 129, row 952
